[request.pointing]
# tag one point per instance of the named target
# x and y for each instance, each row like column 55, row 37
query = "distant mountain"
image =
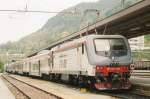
column 61, row 25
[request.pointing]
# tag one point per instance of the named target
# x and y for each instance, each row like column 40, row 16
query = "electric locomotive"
column 111, row 56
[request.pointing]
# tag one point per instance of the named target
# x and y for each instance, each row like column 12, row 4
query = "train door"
column 39, row 66
column 80, row 51
column 86, row 68
column 83, row 61
column 29, row 67
column 22, row 68
column 50, row 61
column 35, row 68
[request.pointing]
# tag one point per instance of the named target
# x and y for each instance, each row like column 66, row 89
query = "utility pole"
column 123, row 4
column 83, row 17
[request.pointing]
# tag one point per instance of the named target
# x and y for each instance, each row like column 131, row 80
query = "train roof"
column 77, row 42
column 104, row 36
column 82, row 38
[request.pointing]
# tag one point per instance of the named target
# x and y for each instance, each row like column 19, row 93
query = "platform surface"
column 4, row 91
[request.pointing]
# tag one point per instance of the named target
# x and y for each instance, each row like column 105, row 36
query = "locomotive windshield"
column 110, row 47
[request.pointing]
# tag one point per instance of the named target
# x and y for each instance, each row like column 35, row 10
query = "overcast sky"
column 14, row 25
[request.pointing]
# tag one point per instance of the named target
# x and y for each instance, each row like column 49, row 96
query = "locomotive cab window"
column 110, row 47
column 118, row 47
column 102, row 47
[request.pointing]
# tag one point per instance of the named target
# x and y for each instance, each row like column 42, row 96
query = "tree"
column 1, row 66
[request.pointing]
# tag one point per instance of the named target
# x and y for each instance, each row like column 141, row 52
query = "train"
column 100, row 61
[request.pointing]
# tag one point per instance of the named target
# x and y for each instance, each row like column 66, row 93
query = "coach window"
column 82, row 48
column 39, row 63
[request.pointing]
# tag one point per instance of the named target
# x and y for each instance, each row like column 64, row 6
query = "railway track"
column 116, row 94
column 31, row 92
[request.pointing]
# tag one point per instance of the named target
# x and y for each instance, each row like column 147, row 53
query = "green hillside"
column 147, row 40
column 1, row 66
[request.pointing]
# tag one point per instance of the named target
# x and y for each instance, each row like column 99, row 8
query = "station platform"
column 4, row 91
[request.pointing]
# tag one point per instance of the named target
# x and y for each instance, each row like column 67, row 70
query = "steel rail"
column 16, row 87
column 51, row 94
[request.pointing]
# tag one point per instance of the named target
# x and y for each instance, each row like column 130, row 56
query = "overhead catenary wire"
column 8, row 10
column 36, row 11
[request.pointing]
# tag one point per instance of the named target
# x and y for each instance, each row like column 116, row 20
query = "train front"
column 111, row 57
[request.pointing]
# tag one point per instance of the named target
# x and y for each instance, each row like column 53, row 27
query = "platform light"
column 135, row 28
column 147, row 25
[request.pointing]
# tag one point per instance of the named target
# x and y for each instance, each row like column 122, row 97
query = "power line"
column 32, row 11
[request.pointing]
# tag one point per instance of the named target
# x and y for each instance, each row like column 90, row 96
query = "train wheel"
column 50, row 77
column 58, row 77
